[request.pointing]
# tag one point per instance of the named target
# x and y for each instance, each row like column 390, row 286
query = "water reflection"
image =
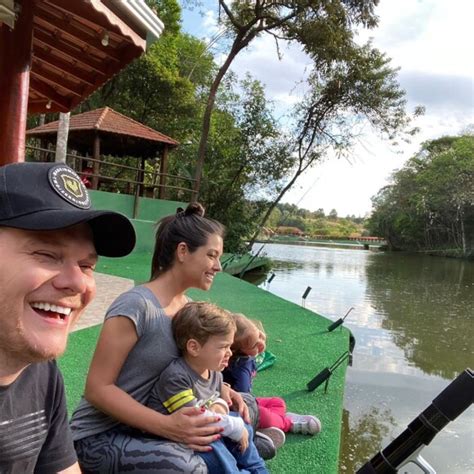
column 427, row 306
column 413, row 322
column 365, row 436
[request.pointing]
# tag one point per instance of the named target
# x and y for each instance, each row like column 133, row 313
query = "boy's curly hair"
column 200, row 320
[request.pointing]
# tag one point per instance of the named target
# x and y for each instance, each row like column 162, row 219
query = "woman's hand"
column 189, row 427
column 240, row 405
column 225, row 393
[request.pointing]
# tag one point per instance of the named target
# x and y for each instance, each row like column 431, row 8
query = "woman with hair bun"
column 112, row 428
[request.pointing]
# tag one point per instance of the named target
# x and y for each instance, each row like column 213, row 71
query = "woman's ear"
column 181, row 251
column 192, row 347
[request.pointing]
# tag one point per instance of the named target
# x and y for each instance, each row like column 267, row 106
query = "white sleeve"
column 233, row 425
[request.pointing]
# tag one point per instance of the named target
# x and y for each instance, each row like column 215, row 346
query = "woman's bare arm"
column 117, row 338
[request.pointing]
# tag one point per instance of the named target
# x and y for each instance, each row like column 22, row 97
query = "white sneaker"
column 275, row 434
column 304, row 424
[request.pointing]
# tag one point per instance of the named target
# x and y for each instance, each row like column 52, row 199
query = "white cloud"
column 431, row 41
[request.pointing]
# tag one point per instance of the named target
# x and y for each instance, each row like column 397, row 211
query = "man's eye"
column 46, row 255
column 88, row 266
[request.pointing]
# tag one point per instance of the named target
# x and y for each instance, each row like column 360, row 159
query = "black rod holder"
column 305, row 294
column 326, row 373
column 339, row 322
column 272, row 276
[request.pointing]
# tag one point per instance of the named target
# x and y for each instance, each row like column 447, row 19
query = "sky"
column 431, row 41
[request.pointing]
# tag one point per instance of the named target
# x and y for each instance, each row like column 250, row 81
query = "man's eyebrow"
column 93, row 256
column 42, row 239
column 47, row 239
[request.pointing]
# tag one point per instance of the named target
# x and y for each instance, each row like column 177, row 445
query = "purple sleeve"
column 243, row 370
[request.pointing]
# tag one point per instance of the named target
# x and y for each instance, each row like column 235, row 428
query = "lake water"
column 413, row 322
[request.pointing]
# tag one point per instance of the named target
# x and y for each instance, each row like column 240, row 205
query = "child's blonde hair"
column 200, row 320
column 243, row 326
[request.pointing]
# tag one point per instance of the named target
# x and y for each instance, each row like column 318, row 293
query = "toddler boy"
column 204, row 334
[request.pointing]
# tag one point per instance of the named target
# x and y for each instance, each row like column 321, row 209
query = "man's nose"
column 71, row 278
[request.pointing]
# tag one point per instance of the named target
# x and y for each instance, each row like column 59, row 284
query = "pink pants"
column 273, row 413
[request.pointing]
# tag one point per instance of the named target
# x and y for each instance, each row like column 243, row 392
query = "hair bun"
column 194, row 208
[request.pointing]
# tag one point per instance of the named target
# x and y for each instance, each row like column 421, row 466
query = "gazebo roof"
column 119, row 134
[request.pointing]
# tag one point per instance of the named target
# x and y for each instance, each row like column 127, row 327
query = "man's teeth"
column 52, row 307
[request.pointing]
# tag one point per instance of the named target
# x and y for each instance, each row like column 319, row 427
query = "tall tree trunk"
column 240, row 43
column 463, row 235
column 61, row 141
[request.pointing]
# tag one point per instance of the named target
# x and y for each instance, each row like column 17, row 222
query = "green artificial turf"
column 297, row 337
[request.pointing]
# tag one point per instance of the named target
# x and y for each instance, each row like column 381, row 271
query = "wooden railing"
column 110, row 176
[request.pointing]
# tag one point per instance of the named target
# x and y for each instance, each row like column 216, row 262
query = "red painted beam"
column 15, row 64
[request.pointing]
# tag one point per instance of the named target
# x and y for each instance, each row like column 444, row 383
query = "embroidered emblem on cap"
column 69, row 186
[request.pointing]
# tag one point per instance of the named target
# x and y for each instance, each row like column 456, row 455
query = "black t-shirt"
column 34, row 430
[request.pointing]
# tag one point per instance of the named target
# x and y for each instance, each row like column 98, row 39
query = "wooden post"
column 139, row 188
column 163, row 171
column 15, row 64
column 61, row 140
column 96, row 166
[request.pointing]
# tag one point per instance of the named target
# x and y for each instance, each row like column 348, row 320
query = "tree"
column 430, row 204
column 360, row 87
column 324, row 29
column 247, row 159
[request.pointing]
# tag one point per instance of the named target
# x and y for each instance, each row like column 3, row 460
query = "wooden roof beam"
column 63, row 66
column 48, row 76
column 66, row 27
column 50, row 94
column 77, row 9
column 75, row 55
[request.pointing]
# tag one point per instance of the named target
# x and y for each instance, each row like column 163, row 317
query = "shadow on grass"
column 301, row 394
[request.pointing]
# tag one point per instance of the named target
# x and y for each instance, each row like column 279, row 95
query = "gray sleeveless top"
column 152, row 353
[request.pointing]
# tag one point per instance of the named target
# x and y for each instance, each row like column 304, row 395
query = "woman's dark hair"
column 188, row 226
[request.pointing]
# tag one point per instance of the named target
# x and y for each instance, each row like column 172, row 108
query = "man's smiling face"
column 46, row 281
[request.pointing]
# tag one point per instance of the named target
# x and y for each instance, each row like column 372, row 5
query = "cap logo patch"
column 69, row 186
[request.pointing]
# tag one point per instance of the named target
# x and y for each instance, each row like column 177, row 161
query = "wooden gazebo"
column 105, row 131
column 54, row 53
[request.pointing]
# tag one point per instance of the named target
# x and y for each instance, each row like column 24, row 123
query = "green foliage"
column 315, row 224
column 430, row 204
column 249, row 162
column 246, row 158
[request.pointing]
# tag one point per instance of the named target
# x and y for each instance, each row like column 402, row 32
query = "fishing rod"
column 339, row 322
column 282, row 221
column 405, row 449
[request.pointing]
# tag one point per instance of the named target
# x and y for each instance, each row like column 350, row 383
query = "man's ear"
column 193, row 347
column 181, row 251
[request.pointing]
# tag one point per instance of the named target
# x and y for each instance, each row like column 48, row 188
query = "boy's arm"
column 233, row 426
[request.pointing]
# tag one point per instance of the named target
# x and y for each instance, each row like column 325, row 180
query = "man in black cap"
column 49, row 242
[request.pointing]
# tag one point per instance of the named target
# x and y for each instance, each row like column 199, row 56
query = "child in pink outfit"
column 249, row 341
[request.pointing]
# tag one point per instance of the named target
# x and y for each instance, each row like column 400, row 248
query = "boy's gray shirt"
column 153, row 352
column 181, row 386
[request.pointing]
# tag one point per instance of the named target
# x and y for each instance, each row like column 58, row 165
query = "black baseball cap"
column 51, row 196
